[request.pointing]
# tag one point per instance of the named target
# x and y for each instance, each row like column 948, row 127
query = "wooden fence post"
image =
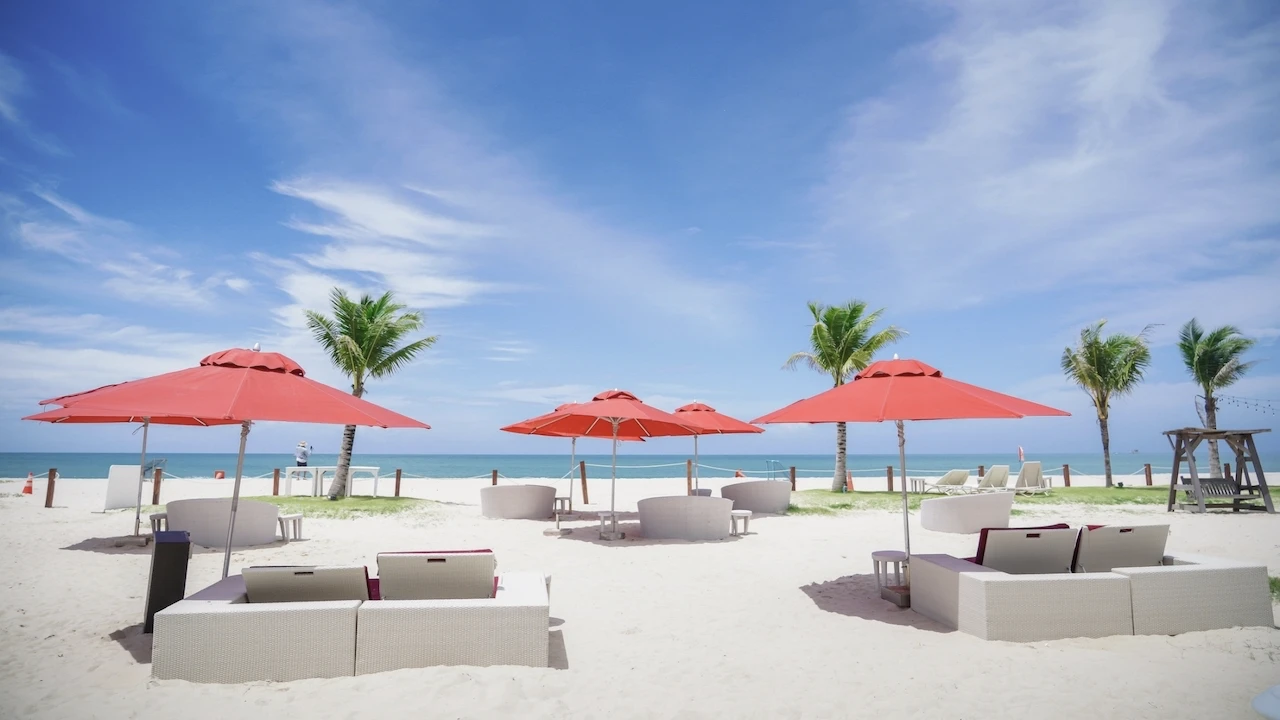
column 888, row 474
column 793, row 478
column 397, row 482
column 582, row 472
column 48, row 493
column 1066, row 476
column 1226, row 470
column 155, row 487
column 688, row 477
column 495, row 477
column 275, row 482
column 982, row 470
column 1146, row 470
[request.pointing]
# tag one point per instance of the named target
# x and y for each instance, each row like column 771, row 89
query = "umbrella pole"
column 235, row 499
column 142, row 474
column 906, row 518
column 613, row 482
column 695, row 462
column 573, row 465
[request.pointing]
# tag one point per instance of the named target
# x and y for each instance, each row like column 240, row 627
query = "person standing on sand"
column 302, row 453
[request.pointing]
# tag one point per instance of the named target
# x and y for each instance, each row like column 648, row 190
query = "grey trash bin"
column 168, row 583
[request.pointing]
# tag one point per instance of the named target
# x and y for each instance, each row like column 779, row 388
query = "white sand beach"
column 781, row 623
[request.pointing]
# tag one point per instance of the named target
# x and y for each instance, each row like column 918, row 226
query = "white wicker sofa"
column 221, row 635
column 1020, row 588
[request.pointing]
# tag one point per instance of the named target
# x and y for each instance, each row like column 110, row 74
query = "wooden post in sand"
column 582, row 473
column 1226, row 471
column 982, row 470
column 275, row 482
column 688, row 477
column 888, row 475
column 1066, row 476
column 155, row 487
column 793, row 478
column 1146, row 470
column 48, row 493
column 397, row 482
column 495, row 477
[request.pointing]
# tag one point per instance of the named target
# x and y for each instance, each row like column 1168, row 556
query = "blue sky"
column 641, row 195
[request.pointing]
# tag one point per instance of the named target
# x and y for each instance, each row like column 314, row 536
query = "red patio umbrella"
column 904, row 390
column 708, row 421
column 228, row 387
column 534, row 426
column 617, row 413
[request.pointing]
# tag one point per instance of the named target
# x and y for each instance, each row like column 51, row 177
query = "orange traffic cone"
column 26, row 489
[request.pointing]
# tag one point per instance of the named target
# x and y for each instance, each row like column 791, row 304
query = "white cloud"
column 13, row 85
column 367, row 110
column 1117, row 149
column 112, row 253
column 549, row 396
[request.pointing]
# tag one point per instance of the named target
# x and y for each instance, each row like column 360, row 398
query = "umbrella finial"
column 258, row 348
column 895, row 355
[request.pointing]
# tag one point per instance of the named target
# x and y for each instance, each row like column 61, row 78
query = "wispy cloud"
column 368, row 110
column 1111, row 148
column 91, row 86
column 113, row 253
column 13, row 86
column 548, row 396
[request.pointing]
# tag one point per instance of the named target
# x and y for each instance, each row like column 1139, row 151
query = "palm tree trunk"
column 1211, row 420
column 1106, row 448
column 339, row 486
column 837, row 482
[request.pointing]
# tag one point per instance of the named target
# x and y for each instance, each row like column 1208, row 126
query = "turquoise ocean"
column 95, row 465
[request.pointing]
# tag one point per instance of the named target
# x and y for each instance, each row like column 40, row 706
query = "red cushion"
column 375, row 589
column 982, row 539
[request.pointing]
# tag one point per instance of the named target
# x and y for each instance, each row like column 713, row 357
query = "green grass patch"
column 1275, row 589
column 345, row 508
column 825, row 502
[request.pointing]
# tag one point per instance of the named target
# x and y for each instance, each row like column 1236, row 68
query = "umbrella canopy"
column 615, row 412
column 234, row 386
column 905, row 390
column 228, row 387
column 708, row 421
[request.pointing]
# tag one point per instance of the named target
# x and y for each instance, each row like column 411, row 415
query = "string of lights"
column 1256, row 404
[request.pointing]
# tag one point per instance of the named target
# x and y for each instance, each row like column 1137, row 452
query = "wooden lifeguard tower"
column 1241, row 490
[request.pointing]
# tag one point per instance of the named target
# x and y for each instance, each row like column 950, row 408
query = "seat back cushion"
column 301, row 583
column 437, row 575
column 1104, row 548
column 1048, row 549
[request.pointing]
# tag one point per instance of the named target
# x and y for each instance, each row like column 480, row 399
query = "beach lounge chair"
column 995, row 479
column 445, row 575
column 952, row 482
column 1031, row 480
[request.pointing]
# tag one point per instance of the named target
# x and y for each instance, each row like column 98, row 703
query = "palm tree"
column 1214, row 362
column 843, row 344
column 363, row 341
column 1107, row 368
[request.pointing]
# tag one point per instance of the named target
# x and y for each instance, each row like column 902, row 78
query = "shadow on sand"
column 138, row 644
column 130, row 545
column 858, row 596
column 557, row 656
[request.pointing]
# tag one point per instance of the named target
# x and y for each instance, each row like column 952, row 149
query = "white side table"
column 734, row 516
column 880, row 560
column 292, row 521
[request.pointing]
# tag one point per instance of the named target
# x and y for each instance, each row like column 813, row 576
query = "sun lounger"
column 952, row 482
column 1031, row 480
column 995, row 479
column 441, row 575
